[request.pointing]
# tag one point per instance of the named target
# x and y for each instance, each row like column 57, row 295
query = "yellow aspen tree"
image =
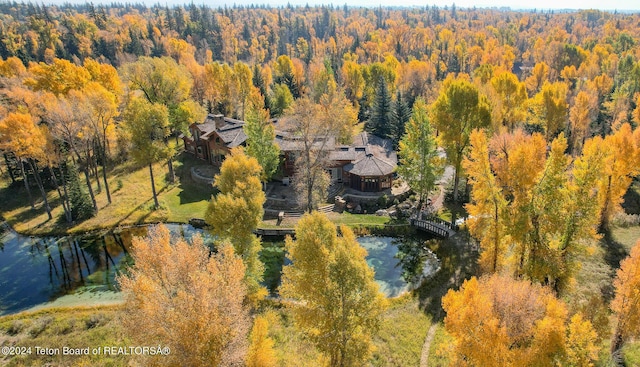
column 59, row 77
column 20, row 135
column 478, row 337
column 626, row 304
column 581, row 114
column 331, row 291
column 487, row 208
column 546, row 201
column 578, row 214
column 550, row 108
column 512, row 95
column 237, row 210
column 582, row 348
column 619, row 168
column 459, row 109
column 636, row 112
column 261, row 352
column 539, row 75
column 500, row 321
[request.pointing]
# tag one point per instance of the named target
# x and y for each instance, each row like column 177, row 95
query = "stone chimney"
column 219, row 120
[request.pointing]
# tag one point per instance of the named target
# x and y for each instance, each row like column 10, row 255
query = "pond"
column 399, row 264
column 37, row 270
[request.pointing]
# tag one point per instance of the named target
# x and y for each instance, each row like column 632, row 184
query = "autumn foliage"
column 330, row 291
column 180, row 297
column 499, row 321
column 626, row 304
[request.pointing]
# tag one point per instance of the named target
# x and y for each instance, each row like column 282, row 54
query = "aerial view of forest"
column 318, row 185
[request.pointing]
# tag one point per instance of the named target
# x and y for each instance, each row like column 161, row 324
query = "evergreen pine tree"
column 258, row 82
column 380, row 121
column 81, row 205
column 400, row 115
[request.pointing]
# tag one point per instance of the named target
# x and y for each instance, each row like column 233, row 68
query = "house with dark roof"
column 371, row 166
column 213, row 139
column 367, row 164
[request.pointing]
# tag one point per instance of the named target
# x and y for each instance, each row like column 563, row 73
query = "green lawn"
column 57, row 328
column 132, row 201
column 402, row 334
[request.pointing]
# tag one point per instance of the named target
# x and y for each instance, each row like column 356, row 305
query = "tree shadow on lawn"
column 614, row 250
column 190, row 190
column 458, row 257
column 631, row 203
column 140, row 207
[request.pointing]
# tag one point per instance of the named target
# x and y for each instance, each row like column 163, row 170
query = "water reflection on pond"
column 35, row 270
column 399, row 263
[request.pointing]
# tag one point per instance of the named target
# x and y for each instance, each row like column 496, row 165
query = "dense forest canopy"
column 412, row 49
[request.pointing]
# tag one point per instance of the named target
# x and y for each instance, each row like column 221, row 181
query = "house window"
column 217, row 139
column 199, row 150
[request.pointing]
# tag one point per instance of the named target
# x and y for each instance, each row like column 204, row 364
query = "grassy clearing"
column 292, row 348
column 352, row 220
column 358, row 219
column 632, row 354
column 132, row 201
column 402, row 333
column 57, row 328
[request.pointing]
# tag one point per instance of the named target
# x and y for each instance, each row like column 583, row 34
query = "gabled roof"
column 287, row 142
column 231, row 132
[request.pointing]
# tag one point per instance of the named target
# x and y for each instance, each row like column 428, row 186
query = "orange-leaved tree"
column 499, row 321
column 179, row 296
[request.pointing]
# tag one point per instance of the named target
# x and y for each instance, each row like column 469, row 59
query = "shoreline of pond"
column 391, row 230
column 80, row 269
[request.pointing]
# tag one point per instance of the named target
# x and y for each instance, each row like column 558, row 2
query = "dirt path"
column 424, row 358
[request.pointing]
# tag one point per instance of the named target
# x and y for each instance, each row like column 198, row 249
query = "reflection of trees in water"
column 63, row 265
column 412, row 255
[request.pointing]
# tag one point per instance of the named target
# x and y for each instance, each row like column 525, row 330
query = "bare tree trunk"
column 94, row 166
column 617, row 342
column 153, row 187
column 26, row 184
column 66, row 194
column 41, row 187
column 172, row 174
column 104, row 166
column 104, row 176
column 456, row 181
column 87, row 177
column 67, row 210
